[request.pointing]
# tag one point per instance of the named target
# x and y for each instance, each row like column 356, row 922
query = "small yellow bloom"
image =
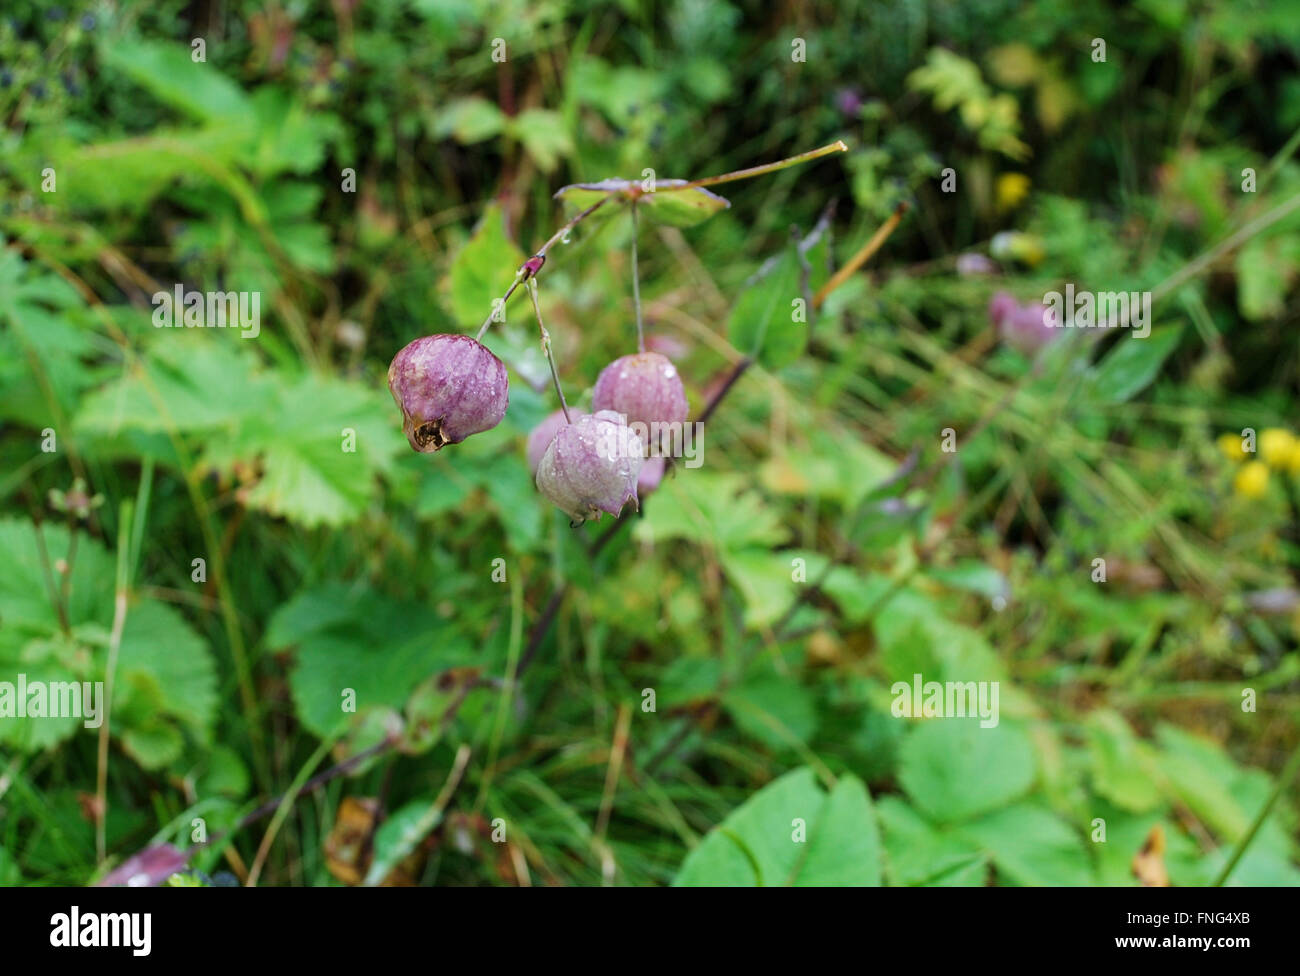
column 1251, row 480
column 1293, row 462
column 1230, row 445
column 1276, row 446
column 1012, row 188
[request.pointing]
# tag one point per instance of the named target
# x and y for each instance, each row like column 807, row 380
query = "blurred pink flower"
column 147, row 869
column 1027, row 327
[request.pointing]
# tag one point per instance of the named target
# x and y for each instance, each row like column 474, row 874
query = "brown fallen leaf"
column 1149, row 862
column 347, row 854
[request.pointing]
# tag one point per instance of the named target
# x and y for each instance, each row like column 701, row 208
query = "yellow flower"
column 1293, row 462
column 1230, row 445
column 1011, row 189
column 1251, row 480
column 1276, row 446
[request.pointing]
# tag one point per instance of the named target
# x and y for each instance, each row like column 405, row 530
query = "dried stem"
column 862, row 257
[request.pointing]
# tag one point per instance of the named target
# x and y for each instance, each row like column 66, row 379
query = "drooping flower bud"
column 448, row 386
column 645, row 388
column 540, row 437
column 591, row 466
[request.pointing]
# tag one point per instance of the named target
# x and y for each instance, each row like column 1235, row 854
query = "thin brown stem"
column 862, row 257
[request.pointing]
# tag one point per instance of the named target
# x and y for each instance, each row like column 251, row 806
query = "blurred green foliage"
column 375, row 173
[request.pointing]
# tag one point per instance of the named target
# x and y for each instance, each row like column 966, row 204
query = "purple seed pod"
column 591, row 466
column 540, row 437
column 146, row 869
column 652, row 472
column 645, row 388
column 448, row 386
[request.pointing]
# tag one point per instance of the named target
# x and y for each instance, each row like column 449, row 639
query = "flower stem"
column 530, row 268
column 636, row 286
column 546, row 348
column 744, row 174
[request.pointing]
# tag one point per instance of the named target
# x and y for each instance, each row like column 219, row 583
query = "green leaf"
column 681, row 208
column 920, row 852
column 678, row 208
column 792, row 833
column 770, row 318
column 469, row 120
column 543, row 135
column 1133, row 363
column 954, row 769
column 483, row 269
column 774, row 710
column 172, row 76
column 1030, row 846
column 715, row 509
column 165, row 682
column 1266, row 269
column 399, row 835
column 1121, row 768
column 379, row 649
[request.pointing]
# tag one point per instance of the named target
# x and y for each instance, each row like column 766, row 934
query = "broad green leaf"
column 169, row 73
column 1266, row 269
column 1133, row 363
column 1121, row 766
column 918, row 851
column 718, row 510
column 792, row 833
column 770, row 318
column 1031, row 846
column 399, row 835
column 1205, row 779
column 775, row 710
column 543, row 135
column 954, row 769
column 483, row 269
column 469, row 120
column 165, row 682
column 380, row 650
column 679, row 208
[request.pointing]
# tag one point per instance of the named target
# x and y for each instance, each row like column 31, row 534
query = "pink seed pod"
column 652, row 472
column 448, row 387
column 591, row 466
column 540, row 437
column 644, row 387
